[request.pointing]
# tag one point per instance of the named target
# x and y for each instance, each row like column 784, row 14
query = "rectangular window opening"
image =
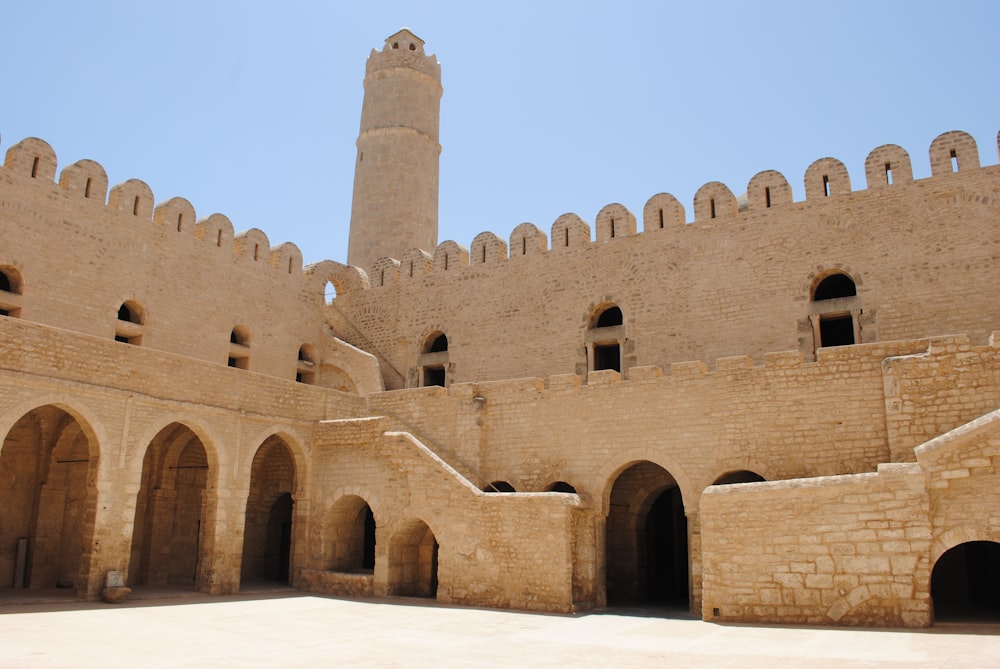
column 218, row 239
column 612, row 228
column 567, row 237
column 381, row 279
column 954, row 160
column 34, row 167
column 888, row 174
column 256, row 251
column 767, row 196
column 607, row 356
column 836, row 330
column 524, row 246
column 484, row 253
column 180, row 222
column 826, row 186
column 434, row 376
column 712, row 207
column 86, row 188
column 135, row 206
column 661, row 219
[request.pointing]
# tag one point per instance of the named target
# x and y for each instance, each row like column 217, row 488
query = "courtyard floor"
column 270, row 627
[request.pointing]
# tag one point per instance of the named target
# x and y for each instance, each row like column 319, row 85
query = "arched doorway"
column 167, row 537
column 413, row 561
column 352, row 548
column 965, row 583
column 48, row 467
column 267, row 532
column 646, row 544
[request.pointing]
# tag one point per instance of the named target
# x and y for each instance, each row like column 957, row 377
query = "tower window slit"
column 86, row 188
column 34, row 167
column 135, row 206
column 712, row 208
column 289, row 265
column 381, row 280
column 567, row 236
column 256, row 251
column 484, row 253
column 826, row 186
column 954, row 160
column 767, row 196
column 180, row 222
column 218, row 238
column 888, row 174
column 661, row 218
column 524, row 246
column 612, row 228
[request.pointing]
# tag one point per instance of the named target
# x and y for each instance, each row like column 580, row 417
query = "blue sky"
column 252, row 109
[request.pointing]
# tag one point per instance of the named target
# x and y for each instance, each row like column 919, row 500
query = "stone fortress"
column 777, row 411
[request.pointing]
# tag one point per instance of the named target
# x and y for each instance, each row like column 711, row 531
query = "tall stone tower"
column 395, row 204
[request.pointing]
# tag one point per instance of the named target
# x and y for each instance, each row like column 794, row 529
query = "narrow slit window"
column 612, row 228
column 256, row 251
column 661, row 219
column 86, row 188
column 289, row 265
column 712, row 208
column 218, row 239
column 567, row 236
column 180, row 222
column 826, row 186
column 524, row 246
column 446, row 262
column 954, row 161
column 484, row 253
column 767, row 196
column 135, row 206
column 888, row 174
column 34, row 167
column 411, row 269
column 381, row 280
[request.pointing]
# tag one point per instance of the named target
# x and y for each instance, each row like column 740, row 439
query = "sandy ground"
column 290, row 629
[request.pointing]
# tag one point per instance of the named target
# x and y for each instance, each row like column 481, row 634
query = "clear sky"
column 251, row 109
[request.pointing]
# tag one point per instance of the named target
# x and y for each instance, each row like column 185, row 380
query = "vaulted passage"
column 169, row 518
column 47, row 467
column 965, row 583
column 353, row 531
column 413, row 561
column 646, row 539
column 267, row 533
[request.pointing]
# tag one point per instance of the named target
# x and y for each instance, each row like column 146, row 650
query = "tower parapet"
column 395, row 203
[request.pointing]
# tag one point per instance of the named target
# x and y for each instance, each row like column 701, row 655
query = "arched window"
column 834, row 310
column 433, row 363
column 239, row 348
column 561, row 486
column 605, row 338
column 305, row 370
column 738, row 476
column 10, row 292
column 128, row 327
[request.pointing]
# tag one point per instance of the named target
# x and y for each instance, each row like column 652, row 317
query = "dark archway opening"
column 646, row 540
column 47, row 512
column 610, row 317
column 834, row 286
column 413, row 562
column 368, row 545
column 434, row 376
column 561, row 486
column 268, row 523
column 499, row 486
column 965, row 583
column 167, row 536
column 278, row 549
column 739, row 476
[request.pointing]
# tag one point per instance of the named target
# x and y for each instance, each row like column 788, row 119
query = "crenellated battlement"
column 826, row 181
column 86, row 180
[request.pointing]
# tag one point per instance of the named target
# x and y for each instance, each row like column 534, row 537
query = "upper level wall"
column 82, row 250
column 922, row 254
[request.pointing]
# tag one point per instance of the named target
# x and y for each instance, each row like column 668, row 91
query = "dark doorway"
column 646, row 545
column 434, row 376
column 965, row 583
column 279, row 540
column 666, row 570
